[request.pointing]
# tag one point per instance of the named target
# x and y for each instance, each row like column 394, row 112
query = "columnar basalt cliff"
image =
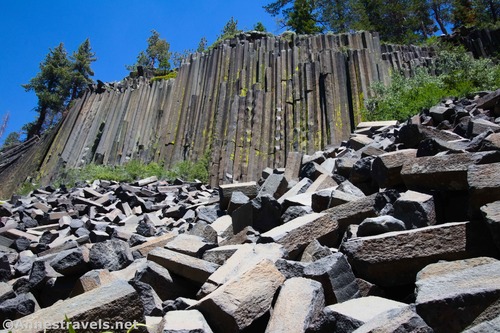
column 244, row 104
column 398, row 230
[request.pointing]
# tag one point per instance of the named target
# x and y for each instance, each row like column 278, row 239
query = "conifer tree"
column 52, row 85
column 301, row 18
column 230, row 29
column 464, row 13
column 441, row 13
column 82, row 59
column 202, row 45
column 259, row 26
column 156, row 55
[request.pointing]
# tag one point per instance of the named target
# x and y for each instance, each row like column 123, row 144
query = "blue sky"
column 117, row 29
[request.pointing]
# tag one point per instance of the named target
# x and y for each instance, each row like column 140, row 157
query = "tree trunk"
column 424, row 30
column 439, row 20
column 493, row 10
column 36, row 129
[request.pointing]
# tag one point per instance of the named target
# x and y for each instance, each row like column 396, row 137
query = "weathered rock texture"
column 245, row 104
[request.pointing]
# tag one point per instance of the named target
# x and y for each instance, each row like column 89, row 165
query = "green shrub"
column 462, row 74
column 459, row 75
column 132, row 171
column 26, row 188
column 171, row 75
column 189, row 171
column 404, row 97
column 128, row 172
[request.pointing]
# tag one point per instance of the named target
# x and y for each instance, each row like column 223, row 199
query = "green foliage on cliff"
column 459, row 75
column 171, row 75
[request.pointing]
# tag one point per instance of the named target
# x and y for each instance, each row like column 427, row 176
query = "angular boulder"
column 275, row 185
column 71, row 262
column 115, row 302
column 351, row 314
column 191, row 268
column 450, row 295
column 112, row 255
column 242, row 300
column 262, row 213
column 296, row 234
column 299, row 303
column 484, row 185
column 491, row 213
column 384, row 261
column 398, row 320
column 185, row 321
column 379, row 225
column 446, row 172
column 245, row 258
column 190, row 245
column 18, row 307
column 336, row 276
column 226, row 191
column 415, row 209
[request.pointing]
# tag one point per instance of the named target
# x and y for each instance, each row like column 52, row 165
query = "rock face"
column 322, row 239
column 209, row 106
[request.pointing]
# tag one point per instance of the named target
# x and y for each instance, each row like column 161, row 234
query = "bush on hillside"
column 459, row 75
column 135, row 170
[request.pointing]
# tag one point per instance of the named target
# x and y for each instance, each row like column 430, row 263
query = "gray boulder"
column 450, row 295
column 336, row 276
column 112, row 254
column 378, row 225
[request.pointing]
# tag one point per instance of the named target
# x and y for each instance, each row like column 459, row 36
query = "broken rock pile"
column 397, row 230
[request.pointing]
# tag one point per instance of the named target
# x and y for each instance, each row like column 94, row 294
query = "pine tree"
column 421, row 24
column 301, row 18
column 82, row 59
column 202, row 45
column 158, row 51
column 441, row 13
column 12, row 139
column 335, row 15
column 259, row 27
column 178, row 57
column 464, row 14
column 399, row 21
column 487, row 11
column 230, row 29
column 157, row 54
column 52, row 85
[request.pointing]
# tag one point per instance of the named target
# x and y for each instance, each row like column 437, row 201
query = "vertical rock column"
column 244, row 105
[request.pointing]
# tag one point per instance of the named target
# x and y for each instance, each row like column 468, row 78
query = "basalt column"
column 243, row 105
